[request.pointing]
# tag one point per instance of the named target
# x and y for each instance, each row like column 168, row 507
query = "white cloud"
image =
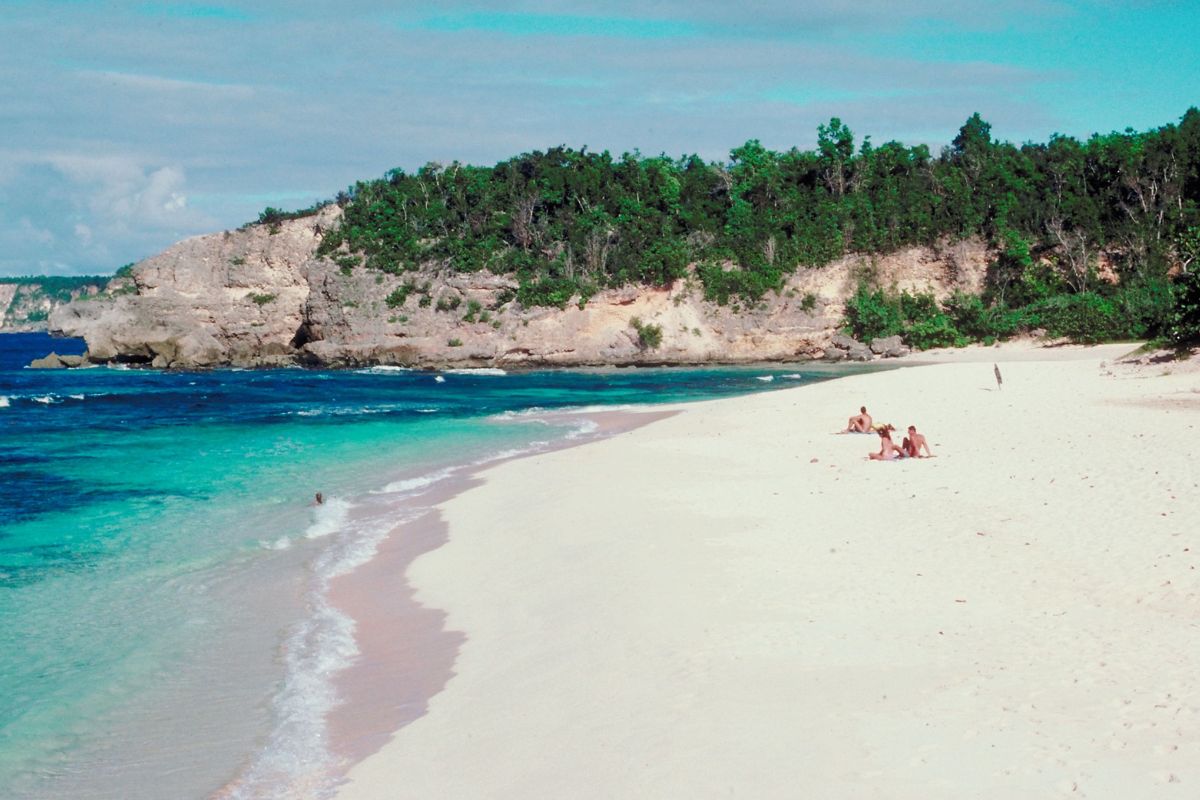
column 117, row 190
column 158, row 84
column 34, row 233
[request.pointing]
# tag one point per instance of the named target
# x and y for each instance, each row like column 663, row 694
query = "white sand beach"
column 735, row 602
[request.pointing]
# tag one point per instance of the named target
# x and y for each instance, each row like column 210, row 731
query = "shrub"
column 262, row 299
column 649, row 335
column 1084, row 317
column 721, row 285
column 933, row 331
column 454, row 343
column 1183, row 323
column 873, row 312
column 548, row 291
column 1147, row 307
column 399, row 295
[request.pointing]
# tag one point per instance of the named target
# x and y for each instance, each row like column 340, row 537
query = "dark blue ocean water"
column 162, row 565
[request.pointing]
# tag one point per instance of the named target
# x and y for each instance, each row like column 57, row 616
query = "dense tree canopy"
column 568, row 222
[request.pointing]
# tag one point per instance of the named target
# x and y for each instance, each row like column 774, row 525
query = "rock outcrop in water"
column 261, row 296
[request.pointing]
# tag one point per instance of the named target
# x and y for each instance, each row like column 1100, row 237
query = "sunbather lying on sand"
column 860, row 423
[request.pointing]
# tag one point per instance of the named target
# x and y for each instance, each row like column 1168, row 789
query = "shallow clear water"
column 162, row 623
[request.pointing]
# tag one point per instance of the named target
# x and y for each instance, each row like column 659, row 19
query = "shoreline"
column 614, row 612
column 406, row 653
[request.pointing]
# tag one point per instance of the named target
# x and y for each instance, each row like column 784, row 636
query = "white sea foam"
column 46, row 399
column 439, row 379
column 349, row 412
column 765, row 378
column 79, row 397
column 409, row 485
column 523, row 414
column 3, row 401
column 296, row 762
column 584, row 428
column 329, row 517
column 794, row 376
column 480, row 371
column 383, row 369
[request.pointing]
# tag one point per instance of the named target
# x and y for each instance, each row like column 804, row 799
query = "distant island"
column 569, row 257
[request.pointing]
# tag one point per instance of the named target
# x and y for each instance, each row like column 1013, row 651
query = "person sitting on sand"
column 887, row 448
column 914, row 442
column 860, row 423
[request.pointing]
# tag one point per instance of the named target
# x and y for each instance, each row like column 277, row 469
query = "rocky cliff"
column 261, row 296
column 26, row 305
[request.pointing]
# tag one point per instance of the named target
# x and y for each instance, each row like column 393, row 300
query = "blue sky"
column 125, row 126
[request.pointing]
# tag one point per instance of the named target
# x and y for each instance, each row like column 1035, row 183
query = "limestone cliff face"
column 261, row 296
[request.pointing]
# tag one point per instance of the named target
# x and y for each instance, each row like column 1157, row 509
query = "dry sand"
column 735, row 602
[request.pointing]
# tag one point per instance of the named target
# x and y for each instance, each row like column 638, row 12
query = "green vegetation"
column 262, row 299
column 399, row 295
column 474, row 312
column 454, row 343
column 59, row 288
column 1087, row 231
column 649, row 335
column 274, row 217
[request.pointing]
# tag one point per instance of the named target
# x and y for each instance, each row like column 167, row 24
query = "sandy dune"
column 735, row 602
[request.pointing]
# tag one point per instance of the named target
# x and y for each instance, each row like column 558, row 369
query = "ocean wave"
column 585, row 428
column 354, row 411
column 439, row 379
column 522, row 414
column 794, row 376
column 408, row 485
column 329, row 517
column 479, row 371
column 765, row 378
column 296, row 761
column 540, row 414
column 48, row 399
column 382, row 369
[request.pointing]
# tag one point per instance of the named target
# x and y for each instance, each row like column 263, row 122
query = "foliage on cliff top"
column 568, row 222
column 58, row 287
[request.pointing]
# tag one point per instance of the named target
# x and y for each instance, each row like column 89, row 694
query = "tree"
column 835, row 143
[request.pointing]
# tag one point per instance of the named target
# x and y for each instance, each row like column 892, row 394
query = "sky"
column 126, row 126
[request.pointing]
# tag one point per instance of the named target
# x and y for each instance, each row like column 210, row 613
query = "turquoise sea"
column 164, row 630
